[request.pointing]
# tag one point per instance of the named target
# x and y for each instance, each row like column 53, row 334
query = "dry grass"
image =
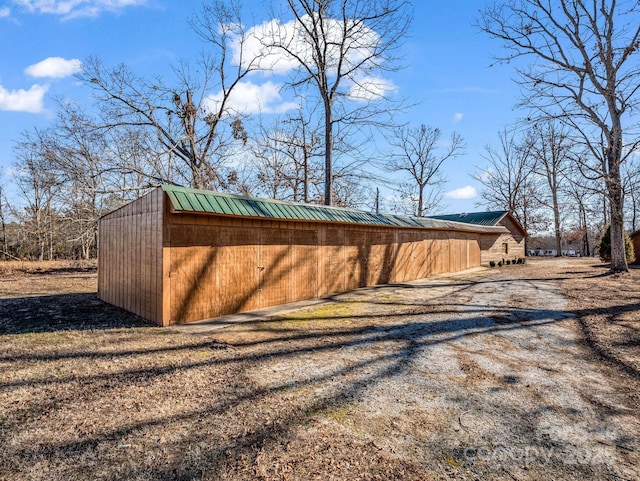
column 478, row 376
column 9, row 268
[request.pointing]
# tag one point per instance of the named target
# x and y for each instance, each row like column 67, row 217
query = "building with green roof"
column 181, row 255
column 494, row 247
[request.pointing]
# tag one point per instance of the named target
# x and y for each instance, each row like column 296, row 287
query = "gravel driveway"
column 473, row 376
column 484, row 375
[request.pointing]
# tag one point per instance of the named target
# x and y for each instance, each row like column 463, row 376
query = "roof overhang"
column 194, row 201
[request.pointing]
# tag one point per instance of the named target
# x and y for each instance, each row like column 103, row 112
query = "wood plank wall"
column 130, row 257
column 493, row 249
column 635, row 240
column 492, row 245
column 224, row 265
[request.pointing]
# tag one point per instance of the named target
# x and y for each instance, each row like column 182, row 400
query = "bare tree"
column 551, row 150
column 419, row 153
column 287, row 157
column 585, row 71
column 3, row 224
column 192, row 120
column 586, row 197
column 631, row 183
column 82, row 159
column 508, row 180
column 39, row 186
column 339, row 49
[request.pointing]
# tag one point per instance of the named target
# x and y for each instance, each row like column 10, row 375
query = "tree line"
column 537, row 171
column 568, row 167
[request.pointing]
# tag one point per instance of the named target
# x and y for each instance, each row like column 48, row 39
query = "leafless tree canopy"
column 287, row 156
column 580, row 64
column 507, row 180
column 191, row 119
column 340, row 49
column 552, row 151
column 418, row 154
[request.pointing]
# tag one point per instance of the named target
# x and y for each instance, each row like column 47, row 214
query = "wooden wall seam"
column 174, row 268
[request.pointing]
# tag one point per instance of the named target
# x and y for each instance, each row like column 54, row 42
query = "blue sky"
column 447, row 76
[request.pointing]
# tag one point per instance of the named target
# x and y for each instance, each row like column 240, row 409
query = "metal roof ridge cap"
column 468, row 227
column 335, row 213
column 173, row 188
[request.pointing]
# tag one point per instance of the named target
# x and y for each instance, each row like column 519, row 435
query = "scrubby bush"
column 492, row 263
column 605, row 246
column 499, row 263
column 508, row 262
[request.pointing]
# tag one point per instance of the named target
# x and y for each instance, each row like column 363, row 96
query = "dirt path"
column 483, row 375
column 484, row 372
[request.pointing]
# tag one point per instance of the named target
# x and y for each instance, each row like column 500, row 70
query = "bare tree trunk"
column 420, row 199
column 582, row 219
column 305, row 187
column 616, row 203
column 3, row 225
column 328, row 154
column 556, row 223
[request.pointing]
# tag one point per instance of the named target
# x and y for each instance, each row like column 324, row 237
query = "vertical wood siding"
column 130, row 257
column 492, row 247
column 176, row 268
column 225, row 265
column 635, row 240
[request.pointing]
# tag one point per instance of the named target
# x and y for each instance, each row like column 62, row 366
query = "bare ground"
column 520, row 373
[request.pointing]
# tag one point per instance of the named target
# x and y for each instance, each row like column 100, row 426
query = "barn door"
column 275, row 267
column 238, row 278
column 288, row 265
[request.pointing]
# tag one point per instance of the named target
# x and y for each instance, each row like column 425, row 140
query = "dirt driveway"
column 482, row 375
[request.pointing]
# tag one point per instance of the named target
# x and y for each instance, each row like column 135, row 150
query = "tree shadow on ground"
column 235, row 421
column 63, row 312
column 610, row 351
column 204, row 447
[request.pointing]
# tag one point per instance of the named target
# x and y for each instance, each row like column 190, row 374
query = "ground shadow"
column 237, row 421
column 84, row 311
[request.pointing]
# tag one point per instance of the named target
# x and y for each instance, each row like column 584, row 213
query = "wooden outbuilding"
column 495, row 246
column 180, row 255
column 635, row 240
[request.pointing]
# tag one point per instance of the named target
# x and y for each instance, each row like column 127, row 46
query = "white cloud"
column 468, row 192
column 54, row 67
column 250, row 98
column 486, row 175
column 77, row 8
column 23, row 100
column 256, row 46
column 372, row 88
column 457, row 117
column 5, row 12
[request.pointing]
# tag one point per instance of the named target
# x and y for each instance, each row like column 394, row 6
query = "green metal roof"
column 476, row 218
column 208, row 202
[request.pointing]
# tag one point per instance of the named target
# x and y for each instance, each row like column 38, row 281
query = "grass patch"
column 330, row 311
column 339, row 412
